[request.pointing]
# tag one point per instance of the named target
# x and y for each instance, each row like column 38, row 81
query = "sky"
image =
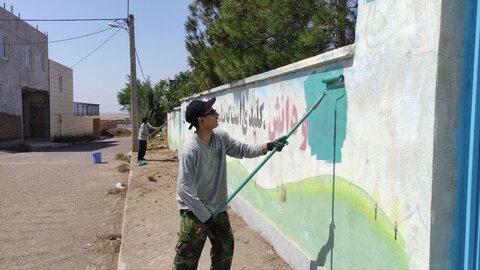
column 159, row 41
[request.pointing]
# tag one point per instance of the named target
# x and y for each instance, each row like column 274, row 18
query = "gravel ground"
column 56, row 211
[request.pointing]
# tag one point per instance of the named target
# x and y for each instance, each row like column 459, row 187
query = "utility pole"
column 133, row 83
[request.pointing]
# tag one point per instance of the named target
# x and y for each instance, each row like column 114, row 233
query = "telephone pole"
column 133, row 83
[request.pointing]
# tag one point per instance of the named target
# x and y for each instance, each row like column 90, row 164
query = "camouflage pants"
column 190, row 245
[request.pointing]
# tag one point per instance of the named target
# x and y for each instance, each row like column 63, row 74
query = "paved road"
column 53, row 203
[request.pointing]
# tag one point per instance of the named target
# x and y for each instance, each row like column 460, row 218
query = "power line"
column 60, row 40
column 140, row 65
column 96, row 48
column 78, row 61
column 63, row 20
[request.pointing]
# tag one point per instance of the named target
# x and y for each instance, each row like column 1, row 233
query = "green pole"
column 268, row 156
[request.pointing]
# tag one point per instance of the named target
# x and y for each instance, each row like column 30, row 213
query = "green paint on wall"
column 302, row 211
column 173, row 144
column 369, row 1
column 322, row 120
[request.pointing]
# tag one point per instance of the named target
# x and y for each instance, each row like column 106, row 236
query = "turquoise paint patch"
column 322, row 120
column 368, row 1
column 302, row 211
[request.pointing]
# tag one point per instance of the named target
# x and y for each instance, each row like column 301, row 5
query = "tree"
column 334, row 23
column 124, row 97
column 229, row 40
column 147, row 107
column 202, row 18
column 169, row 92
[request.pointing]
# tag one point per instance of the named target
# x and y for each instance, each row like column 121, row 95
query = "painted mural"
column 353, row 189
column 297, row 190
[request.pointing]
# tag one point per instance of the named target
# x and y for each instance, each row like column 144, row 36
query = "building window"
column 85, row 109
column 28, row 57
column 43, row 62
column 60, row 84
column 3, row 47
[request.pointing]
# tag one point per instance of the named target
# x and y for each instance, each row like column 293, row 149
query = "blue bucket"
column 97, row 157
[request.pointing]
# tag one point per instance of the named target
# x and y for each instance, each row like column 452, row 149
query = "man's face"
column 210, row 119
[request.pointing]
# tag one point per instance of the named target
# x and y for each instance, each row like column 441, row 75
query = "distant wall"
column 61, row 99
column 81, row 125
column 62, row 121
column 174, row 129
column 107, row 124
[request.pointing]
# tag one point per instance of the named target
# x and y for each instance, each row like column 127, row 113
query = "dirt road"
column 54, row 210
column 152, row 222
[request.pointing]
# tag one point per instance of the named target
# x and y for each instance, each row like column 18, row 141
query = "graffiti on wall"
column 317, row 131
column 251, row 116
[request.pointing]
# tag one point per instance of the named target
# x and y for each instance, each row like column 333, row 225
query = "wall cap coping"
column 342, row 53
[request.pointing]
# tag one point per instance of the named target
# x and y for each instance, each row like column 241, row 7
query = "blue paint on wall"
column 322, row 120
column 463, row 130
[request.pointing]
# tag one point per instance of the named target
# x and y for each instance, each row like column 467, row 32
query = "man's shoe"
column 141, row 162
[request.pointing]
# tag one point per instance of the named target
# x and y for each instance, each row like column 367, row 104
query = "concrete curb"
column 121, row 265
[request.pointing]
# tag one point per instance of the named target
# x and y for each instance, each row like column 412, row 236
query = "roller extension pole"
column 268, row 156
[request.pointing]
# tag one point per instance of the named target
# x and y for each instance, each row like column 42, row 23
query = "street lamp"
column 133, row 79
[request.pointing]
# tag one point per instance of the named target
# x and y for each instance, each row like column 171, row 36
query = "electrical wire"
column 96, row 48
column 81, row 60
column 60, row 40
column 63, row 20
column 140, row 65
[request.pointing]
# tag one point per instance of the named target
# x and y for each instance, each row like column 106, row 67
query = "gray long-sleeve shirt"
column 202, row 172
column 144, row 131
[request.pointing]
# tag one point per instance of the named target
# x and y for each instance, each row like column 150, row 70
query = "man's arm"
column 186, row 188
column 152, row 127
column 240, row 150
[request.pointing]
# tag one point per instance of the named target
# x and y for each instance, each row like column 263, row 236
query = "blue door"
column 471, row 258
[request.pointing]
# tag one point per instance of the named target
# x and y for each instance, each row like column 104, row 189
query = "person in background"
column 143, row 133
column 202, row 187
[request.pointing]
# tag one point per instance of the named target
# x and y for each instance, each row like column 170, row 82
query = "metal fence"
column 85, row 109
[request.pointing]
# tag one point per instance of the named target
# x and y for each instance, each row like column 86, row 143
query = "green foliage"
column 124, row 96
column 155, row 102
column 146, row 99
column 229, row 40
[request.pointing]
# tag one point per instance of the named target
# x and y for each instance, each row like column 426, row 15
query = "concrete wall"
column 15, row 75
column 61, row 99
column 353, row 189
column 107, row 124
column 174, row 128
column 62, row 121
column 81, row 125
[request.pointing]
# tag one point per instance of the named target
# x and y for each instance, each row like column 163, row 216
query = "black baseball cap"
column 197, row 108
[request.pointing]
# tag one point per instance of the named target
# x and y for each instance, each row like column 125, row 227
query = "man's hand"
column 278, row 144
column 209, row 228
